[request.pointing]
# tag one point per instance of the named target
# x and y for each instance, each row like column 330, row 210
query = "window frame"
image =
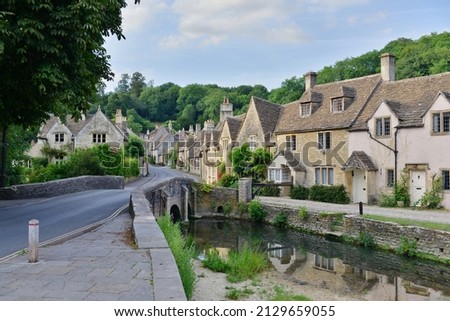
column 390, row 177
column 322, row 175
column 305, row 107
column 59, row 137
column 291, row 142
column 324, row 140
column 383, row 126
column 442, row 127
column 252, row 142
column 337, row 105
column 445, row 174
column 98, row 138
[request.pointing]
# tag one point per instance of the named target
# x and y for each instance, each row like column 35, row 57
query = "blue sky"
column 249, row 42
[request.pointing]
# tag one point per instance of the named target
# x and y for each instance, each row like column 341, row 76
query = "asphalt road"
column 57, row 216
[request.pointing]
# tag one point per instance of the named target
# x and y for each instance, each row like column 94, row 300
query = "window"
column 275, row 174
column 305, row 109
column 390, row 178
column 446, row 180
column 59, row 159
column 291, row 142
column 324, row 175
column 324, row 140
column 383, row 126
column 441, row 122
column 59, row 137
column 252, row 142
column 99, row 138
column 337, row 105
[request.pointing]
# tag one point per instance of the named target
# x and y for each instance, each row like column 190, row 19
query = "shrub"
column 299, row 193
column 182, row 252
column 243, row 208
column 407, row 247
column 227, row 208
column 256, row 211
column 268, row 191
column 433, row 199
column 281, row 220
column 228, row 180
column 387, row 200
column 329, row 194
column 366, row 240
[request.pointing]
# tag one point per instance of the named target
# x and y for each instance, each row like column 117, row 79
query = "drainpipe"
column 394, row 150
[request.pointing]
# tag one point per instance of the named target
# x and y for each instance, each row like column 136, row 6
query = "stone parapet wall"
column 215, row 201
column 61, row 187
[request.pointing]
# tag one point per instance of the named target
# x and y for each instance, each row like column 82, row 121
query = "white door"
column 417, row 185
column 359, row 186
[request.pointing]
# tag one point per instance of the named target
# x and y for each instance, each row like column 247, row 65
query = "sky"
column 249, row 42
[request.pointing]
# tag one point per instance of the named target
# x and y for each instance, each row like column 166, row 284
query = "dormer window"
column 305, row 109
column 59, row 137
column 337, row 105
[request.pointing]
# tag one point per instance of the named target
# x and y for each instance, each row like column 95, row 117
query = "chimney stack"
column 310, row 80
column 387, row 67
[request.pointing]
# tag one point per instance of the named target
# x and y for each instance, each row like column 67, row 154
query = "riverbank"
column 212, row 286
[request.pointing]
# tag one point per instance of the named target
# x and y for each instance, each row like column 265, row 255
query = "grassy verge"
column 282, row 295
column 182, row 252
column 409, row 222
column 240, row 265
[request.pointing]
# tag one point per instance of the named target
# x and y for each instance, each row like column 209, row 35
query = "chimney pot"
column 387, row 67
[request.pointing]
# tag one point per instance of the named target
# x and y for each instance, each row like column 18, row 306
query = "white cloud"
column 215, row 21
column 136, row 16
column 330, row 5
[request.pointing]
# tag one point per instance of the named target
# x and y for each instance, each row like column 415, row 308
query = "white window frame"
column 305, row 109
column 324, row 140
column 291, row 142
column 390, row 178
column 324, row 175
column 440, row 122
column 252, row 143
column 59, row 137
column 337, row 105
column 98, row 138
column 383, row 127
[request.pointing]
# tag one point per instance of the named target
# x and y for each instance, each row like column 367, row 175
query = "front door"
column 359, row 186
column 417, row 185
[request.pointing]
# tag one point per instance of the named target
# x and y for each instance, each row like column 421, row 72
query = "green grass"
column 240, row 265
column 409, row 222
column 236, row 294
column 282, row 295
column 182, row 252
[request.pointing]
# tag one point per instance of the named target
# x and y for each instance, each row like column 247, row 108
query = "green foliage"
column 243, row 208
column 227, row 208
column 246, row 263
column 214, row 262
column 182, row 252
column 329, row 194
column 228, row 180
column 299, row 192
column 366, row 240
column 401, row 189
column 303, row 213
column 206, row 188
column 247, row 163
column 256, row 211
column 387, row 200
column 237, row 294
column 268, row 191
column 407, row 247
column 281, row 220
column 282, row 295
column 53, row 56
column 433, row 198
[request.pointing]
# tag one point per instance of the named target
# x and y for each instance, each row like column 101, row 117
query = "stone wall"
column 61, row 187
column 217, row 201
column 385, row 234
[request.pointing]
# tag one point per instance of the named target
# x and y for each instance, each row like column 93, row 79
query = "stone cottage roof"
column 409, row 99
column 292, row 161
column 360, row 160
column 268, row 114
column 234, row 125
column 354, row 92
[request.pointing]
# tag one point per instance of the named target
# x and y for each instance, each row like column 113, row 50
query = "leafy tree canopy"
column 52, row 55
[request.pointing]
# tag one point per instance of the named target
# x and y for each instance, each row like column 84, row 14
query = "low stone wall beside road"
column 61, row 187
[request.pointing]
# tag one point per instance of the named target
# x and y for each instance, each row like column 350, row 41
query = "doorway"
column 359, row 186
column 417, row 185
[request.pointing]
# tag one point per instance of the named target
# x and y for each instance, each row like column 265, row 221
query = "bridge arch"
column 175, row 214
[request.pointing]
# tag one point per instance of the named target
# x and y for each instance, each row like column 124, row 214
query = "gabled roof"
column 409, row 99
column 268, row 114
column 360, row 160
column 292, row 161
column 234, row 125
column 359, row 90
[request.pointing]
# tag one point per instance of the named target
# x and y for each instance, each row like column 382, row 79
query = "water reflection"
column 313, row 260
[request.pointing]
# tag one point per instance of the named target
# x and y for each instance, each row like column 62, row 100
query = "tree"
column 290, row 90
column 137, row 84
column 52, row 57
